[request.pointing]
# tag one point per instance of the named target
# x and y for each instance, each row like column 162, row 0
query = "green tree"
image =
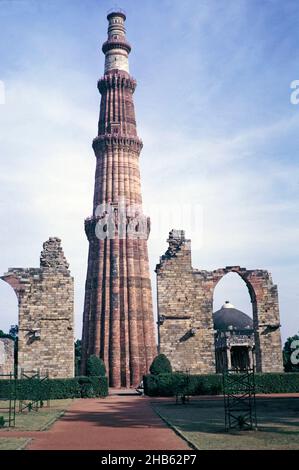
column 95, row 367
column 14, row 331
column 291, row 354
column 160, row 365
column 5, row 335
column 78, row 353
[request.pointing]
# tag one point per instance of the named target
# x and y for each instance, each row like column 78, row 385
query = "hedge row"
column 287, row 382
column 78, row 387
column 167, row 385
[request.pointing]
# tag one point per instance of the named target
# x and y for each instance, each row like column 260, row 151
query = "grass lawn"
column 36, row 420
column 202, row 423
column 12, row 443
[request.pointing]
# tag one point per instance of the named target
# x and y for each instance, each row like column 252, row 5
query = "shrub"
column 100, row 386
column 57, row 388
column 62, row 388
column 78, row 354
column 160, row 365
column 86, row 388
column 5, row 389
column 92, row 387
column 168, row 385
column 277, row 382
column 95, row 367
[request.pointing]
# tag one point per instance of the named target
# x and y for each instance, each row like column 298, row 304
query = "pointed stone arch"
column 7, row 345
column 265, row 312
column 232, row 288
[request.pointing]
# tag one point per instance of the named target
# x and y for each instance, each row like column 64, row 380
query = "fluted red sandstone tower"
column 118, row 316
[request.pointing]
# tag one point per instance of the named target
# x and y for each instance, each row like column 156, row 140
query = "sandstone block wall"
column 46, row 304
column 185, row 308
column 185, row 337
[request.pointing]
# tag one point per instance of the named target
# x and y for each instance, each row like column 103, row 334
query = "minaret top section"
column 116, row 48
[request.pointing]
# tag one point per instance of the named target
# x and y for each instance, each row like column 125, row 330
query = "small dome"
column 229, row 318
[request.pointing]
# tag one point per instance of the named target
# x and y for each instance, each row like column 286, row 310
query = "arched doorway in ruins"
column 8, row 307
column 234, row 317
column 8, row 319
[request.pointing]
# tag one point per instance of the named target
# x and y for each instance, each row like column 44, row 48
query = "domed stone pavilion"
column 234, row 339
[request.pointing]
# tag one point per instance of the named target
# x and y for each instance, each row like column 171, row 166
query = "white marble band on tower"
column 116, row 48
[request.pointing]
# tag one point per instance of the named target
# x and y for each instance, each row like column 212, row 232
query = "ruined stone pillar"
column 46, row 313
column 268, row 347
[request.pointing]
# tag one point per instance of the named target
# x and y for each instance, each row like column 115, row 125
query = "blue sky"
column 213, row 109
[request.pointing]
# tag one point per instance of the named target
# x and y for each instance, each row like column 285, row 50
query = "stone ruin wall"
column 46, row 304
column 178, row 298
column 6, row 356
column 185, row 309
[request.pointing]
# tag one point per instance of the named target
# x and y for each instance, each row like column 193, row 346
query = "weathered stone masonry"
column 46, row 304
column 185, row 308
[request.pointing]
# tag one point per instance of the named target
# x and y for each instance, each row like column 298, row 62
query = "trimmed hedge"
column 93, row 386
column 78, row 387
column 287, row 382
column 167, row 385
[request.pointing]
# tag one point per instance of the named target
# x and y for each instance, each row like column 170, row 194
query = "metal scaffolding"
column 182, row 387
column 239, row 399
column 37, row 391
column 7, row 400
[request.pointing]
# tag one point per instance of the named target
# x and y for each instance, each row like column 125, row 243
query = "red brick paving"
column 113, row 423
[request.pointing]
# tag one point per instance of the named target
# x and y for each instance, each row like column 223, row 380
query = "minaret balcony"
column 101, row 142
column 116, row 79
column 116, row 43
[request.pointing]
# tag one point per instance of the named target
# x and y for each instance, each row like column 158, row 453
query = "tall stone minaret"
column 118, row 320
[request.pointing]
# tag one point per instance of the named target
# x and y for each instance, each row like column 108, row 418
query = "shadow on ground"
column 278, row 423
column 118, row 413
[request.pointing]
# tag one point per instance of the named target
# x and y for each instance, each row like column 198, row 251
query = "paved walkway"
column 118, row 422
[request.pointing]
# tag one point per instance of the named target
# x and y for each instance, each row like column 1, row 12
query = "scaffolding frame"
column 11, row 398
column 239, row 399
column 36, row 401
column 182, row 392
